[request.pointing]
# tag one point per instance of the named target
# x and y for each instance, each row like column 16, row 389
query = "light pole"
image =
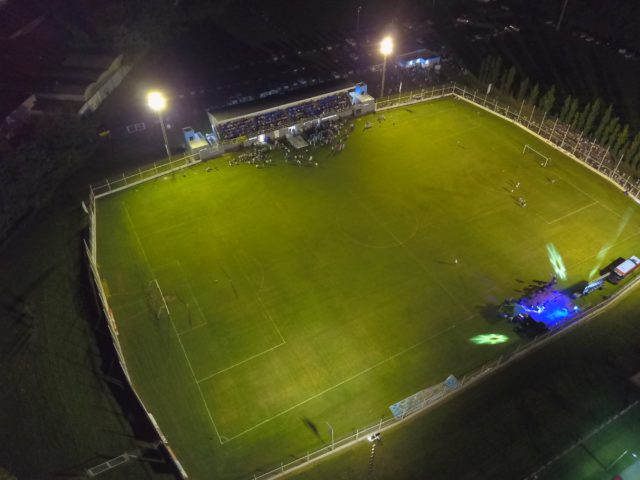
column 158, row 103
column 564, row 7
column 330, row 428
column 386, row 47
column 358, row 19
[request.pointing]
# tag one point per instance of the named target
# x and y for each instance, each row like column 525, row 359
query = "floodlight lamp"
column 386, row 46
column 156, row 101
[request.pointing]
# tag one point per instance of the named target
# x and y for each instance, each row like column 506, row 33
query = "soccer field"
column 305, row 295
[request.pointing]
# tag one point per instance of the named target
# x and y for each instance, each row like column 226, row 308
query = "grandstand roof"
column 277, row 101
column 420, row 53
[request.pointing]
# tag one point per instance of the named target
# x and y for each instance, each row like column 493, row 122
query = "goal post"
column 157, row 300
column 545, row 159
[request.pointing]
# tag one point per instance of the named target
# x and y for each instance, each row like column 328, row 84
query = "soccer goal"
column 545, row 160
column 157, row 300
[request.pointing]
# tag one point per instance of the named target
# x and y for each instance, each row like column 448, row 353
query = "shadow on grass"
column 107, row 366
column 490, row 312
column 314, row 429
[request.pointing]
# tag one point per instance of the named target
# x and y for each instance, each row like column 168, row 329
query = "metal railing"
column 547, row 128
column 561, row 138
column 468, row 379
column 569, row 144
column 91, row 252
column 128, row 180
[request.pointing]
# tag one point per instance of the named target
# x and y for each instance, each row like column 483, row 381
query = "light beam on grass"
column 556, row 261
column 600, row 258
column 489, row 339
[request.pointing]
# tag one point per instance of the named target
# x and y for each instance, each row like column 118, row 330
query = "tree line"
column 592, row 120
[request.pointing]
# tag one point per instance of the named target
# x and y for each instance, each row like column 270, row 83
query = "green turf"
column 305, row 295
column 513, row 423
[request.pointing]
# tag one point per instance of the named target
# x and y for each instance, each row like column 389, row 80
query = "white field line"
column 579, row 189
column 585, row 193
column 264, row 308
column 577, row 210
column 195, row 299
column 614, row 244
column 339, row 384
column 135, row 293
column 252, row 357
column 612, row 211
column 452, row 395
column 545, row 140
column 173, row 226
column 175, row 330
column 191, row 329
column 413, row 255
column 135, row 232
column 209, row 377
column 184, row 351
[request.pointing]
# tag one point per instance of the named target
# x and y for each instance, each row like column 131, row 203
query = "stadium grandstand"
column 419, row 58
column 254, row 122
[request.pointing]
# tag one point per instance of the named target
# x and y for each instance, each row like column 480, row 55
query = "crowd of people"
column 275, row 119
column 259, row 155
column 331, row 134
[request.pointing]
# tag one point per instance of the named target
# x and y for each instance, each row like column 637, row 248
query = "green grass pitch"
column 300, row 296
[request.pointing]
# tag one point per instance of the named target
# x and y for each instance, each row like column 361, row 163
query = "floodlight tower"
column 386, row 47
column 158, row 103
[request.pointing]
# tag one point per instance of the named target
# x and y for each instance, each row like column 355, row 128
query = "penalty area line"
column 209, row 377
column 176, row 331
column 204, row 401
column 339, row 384
column 578, row 210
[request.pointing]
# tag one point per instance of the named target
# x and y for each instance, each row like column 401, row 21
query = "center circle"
column 383, row 222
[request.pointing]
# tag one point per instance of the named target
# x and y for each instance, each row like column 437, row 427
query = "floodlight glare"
column 156, row 101
column 386, row 46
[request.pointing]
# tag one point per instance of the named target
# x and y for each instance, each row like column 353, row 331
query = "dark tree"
column 591, row 118
column 612, row 132
column 548, row 100
column 534, row 94
column 633, row 152
column 565, row 108
column 582, row 118
column 604, row 122
column 621, row 140
column 571, row 114
column 523, row 89
column 508, row 83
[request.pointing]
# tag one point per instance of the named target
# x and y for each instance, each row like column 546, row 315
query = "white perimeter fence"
column 441, row 393
column 91, row 252
column 132, row 179
column 558, row 136
column 544, row 127
column 561, row 138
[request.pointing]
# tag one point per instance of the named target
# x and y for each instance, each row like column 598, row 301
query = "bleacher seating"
column 274, row 119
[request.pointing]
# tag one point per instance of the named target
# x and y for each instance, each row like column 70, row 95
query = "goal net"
column 543, row 160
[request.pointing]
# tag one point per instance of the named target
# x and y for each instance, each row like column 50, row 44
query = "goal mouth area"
column 544, row 158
